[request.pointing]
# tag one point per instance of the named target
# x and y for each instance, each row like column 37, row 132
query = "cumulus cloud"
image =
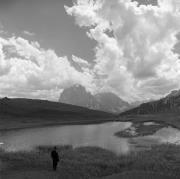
column 137, row 60
column 27, row 70
column 134, row 56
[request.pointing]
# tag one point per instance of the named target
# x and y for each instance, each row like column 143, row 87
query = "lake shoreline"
column 140, row 130
column 21, row 126
column 135, row 120
column 164, row 120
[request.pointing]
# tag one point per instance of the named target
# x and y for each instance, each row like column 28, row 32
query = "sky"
column 126, row 47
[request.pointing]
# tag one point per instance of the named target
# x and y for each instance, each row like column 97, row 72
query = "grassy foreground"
column 93, row 162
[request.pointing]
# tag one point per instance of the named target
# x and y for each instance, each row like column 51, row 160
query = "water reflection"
column 101, row 135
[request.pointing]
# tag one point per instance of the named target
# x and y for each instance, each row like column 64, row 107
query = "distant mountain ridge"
column 108, row 102
column 168, row 104
column 111, row 102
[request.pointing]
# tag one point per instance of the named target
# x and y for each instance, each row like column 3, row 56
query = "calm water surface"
column 101, row 135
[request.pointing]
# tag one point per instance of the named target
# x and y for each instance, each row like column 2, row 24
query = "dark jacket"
column 55, row 156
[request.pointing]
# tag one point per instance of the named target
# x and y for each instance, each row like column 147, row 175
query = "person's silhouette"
column 55, row 158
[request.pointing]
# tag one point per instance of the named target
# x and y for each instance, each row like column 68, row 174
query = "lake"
column 101, row 135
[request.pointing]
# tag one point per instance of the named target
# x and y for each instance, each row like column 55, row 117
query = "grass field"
column 92, row 162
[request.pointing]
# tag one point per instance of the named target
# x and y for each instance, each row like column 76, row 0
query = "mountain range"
column 168, row 104
column 108, row 102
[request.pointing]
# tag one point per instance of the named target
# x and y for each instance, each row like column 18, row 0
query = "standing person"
column 55, row 158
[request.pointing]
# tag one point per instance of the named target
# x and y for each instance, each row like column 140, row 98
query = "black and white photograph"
column 89, row 89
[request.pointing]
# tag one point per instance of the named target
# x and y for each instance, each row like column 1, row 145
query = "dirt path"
column 140, row 175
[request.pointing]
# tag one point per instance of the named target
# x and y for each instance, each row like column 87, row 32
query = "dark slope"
column 30, row 108
column 168, row 104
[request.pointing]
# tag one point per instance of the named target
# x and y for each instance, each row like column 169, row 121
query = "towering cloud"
column 134, row 52
column 134, row 56
column 27, row 70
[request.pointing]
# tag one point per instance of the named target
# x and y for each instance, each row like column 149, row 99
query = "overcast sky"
column 129, row 48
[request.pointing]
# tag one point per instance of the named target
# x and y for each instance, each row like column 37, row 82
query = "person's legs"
column 54, row 165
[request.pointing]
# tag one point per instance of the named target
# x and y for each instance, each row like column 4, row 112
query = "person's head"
column 55, row 147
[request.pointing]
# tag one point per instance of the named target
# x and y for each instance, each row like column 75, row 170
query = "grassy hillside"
column 165, row 111
column 168, row 104
column 24, row 111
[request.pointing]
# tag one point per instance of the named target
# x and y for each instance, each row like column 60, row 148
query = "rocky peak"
column 78, row 95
